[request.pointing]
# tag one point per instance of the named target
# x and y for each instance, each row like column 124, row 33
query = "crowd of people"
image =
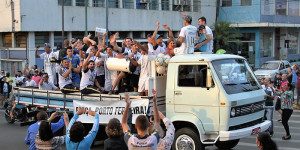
column 282, row 90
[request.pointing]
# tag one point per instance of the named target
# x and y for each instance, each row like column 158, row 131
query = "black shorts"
column 278, row 104
column 135, row 80
column 69, row 88
column 89, row 90
column 101, row 80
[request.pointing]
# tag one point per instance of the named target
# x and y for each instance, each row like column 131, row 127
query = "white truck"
column 210, row 98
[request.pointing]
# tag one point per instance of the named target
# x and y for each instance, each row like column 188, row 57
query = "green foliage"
column 224, row 33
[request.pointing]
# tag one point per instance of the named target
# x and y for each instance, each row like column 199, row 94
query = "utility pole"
column 85, row 5
column 63, row 23
column 12, row 16
column 106, row 18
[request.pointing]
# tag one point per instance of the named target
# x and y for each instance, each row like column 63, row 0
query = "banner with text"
column 110, row 109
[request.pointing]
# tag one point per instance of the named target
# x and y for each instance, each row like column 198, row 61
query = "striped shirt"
column 54, row 143
column 47, row 86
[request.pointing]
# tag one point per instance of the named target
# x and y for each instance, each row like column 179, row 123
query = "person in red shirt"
column 36, row 77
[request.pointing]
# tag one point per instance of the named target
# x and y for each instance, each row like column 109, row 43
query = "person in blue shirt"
column 75, row 139
column 34, row 128
column 202, row 38
column 75, row 63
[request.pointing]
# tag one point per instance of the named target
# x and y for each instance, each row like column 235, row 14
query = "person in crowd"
column 45, row 84
column 286, row 104
column 209, row 35
column 36, row 77
column 127, row 45
column 269, row 108
column 75, row 60
column 264, row 141
column 26, row 69
column 65, row 77
column 170, row 48
column 289, row 75
column 45, row 138
column 29, row 83
column 88, row 83
column 115, row 135
column 4, row 90
column 187, row 37
column 262, row 81
column 49, row 67
column 20, row 79
column 297, row 72
column 202, row 38
column 34, row 68
column 141, row 139
column 75, row 136
column 34, row 128
column 165, row 142
column 158, row 46
column 63, row 51
column 277, row 80
column 9, row 80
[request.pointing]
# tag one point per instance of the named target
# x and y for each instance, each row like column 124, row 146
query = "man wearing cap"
column 49, row 67
column 187, row 37
column 157, row 45
column 29, row 82
column 202, row 38
column 209, row 35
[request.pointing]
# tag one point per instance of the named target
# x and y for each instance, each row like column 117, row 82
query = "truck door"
column 192, row 95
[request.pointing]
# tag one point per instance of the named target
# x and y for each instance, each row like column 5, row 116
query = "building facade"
column 270, row 28
column 27, row 23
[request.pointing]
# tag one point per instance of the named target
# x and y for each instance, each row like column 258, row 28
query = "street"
column 12, row 135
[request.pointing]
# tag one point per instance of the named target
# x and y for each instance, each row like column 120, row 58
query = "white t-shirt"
column 64, row 81
column 99, row 69
column 110, row 75
column 56, row 54
column 189, row 34
column 31, row 83
column 88, row 78
column 47, row 86
column 159, row 49
column 138, row 68
column 210, row 44
column 19, row 79
column 145, row 63
column 48, row 66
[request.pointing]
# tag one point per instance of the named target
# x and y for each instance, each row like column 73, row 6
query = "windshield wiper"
column 245, row 83
column 230, row 84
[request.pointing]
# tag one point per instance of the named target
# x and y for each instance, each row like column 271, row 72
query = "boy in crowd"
column 75, row 60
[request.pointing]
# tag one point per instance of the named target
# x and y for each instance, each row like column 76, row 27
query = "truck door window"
column 287, row 65
column 192, row 75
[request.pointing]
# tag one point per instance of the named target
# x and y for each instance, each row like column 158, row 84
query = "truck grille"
column 248, row 109
column 260, row 76
column 245, row 125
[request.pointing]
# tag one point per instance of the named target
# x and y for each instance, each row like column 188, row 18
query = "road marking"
column 254, row 145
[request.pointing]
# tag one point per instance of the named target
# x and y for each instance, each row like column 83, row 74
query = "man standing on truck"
column 187, row 37
column 75, row 62
column 141, row 139
column 34, row 128
column 209, row 34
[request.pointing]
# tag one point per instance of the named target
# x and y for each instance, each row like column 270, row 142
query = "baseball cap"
column 201, row 27
column 28, row 76
column 47, row 45
column 157, row 36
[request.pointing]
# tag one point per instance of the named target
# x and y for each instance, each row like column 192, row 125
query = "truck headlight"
column 269, row 75
column 232, row 113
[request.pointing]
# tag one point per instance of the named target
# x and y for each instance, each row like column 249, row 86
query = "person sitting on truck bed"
column 45, row 84
column 29, row 83
column 88, row 82
column 75, row 136
column 141, row 139
column 65, row 77
column 34, row 128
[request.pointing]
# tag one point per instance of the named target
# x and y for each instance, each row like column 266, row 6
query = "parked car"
column 269, row 69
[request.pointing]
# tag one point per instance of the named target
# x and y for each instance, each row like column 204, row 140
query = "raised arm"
column 66, row 120
column 169, row 137
column 125, row 114
column 155, row 33
column 114, row 43
column 86, row 39
column 92, row 134
column 84, row 65
column 36, row 55
column 171, row 37
column 132, row 61
column 155, row 110
column 78, row 70
column 139, row 45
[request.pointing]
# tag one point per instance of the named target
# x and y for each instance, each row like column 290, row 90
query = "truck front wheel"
column 227, row 144
column 187, row 139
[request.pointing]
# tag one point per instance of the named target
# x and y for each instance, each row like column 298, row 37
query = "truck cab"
column 213, row 99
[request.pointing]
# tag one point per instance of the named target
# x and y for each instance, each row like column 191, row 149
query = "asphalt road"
column 12, row 135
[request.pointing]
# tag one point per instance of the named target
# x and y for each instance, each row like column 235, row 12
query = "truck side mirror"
column 209, row 82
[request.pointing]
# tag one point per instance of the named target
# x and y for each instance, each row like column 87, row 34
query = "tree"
column 224, row 34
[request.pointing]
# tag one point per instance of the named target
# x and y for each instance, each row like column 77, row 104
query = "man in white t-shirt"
column 187, row 37
column 209, row 35
column 45, row 84
column 49, row 67
column 29, row 82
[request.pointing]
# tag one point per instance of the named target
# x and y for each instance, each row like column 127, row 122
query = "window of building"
column 246, row 2
column 280, row 6
column 127, row 4
column 58, row 38
column 293, row 8
column 142, row 4
column 41, row 38
column 98, row 3
column 78, row 35
column 186, row 7
column 267, row 7
column 192, row 75
column 267, row 44
column 153, row 5
column 113, row 3
column 226, row 3
column 66, row 2
column 292, row 41
column 7, row 40
column 21, row 40
column 165, row 4
column 80, row 3
column 196, row 6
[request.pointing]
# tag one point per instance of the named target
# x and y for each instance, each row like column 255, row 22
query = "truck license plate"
column 255, row 131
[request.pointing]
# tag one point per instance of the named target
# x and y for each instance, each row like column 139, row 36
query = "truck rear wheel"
column 187, row 139
column 227, row 144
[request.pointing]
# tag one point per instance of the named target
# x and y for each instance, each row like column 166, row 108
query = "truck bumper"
column 237, row 134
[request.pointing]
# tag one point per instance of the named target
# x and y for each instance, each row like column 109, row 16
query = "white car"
column 270, row 68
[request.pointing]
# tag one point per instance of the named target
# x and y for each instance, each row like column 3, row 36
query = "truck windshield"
column 270, row 66
column 235, row 75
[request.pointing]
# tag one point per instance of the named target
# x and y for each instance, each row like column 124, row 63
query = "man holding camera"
column 45, row 84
